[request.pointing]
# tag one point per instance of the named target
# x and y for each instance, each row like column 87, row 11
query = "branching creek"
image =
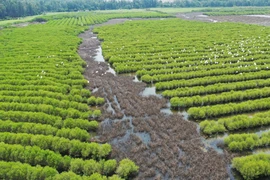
column 139, row 124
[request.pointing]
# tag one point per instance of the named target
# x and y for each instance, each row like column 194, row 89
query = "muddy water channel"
column 139, row 125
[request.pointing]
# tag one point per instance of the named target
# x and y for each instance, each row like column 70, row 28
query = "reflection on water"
column 256, row 130
column 136, row 79
column 99, row 57
column 111, row 70
column 215, row 143
column 145, row 137
column 202, row 15
column 263, row 16
column 262, row 150
column 170, row 111
column 262, row 130
column 150, row 91
column 116, row 101
column 233, row 174
column 167, row 111
column 95, row 90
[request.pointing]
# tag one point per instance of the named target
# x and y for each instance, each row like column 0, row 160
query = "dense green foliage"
column 235, row 123
column 211, row 69
column 64, row 146
column 253, row 166
column 17, row 8
column 220, row 98
column 44, row 115
column 19, row 171
column 126, row 167
column 221, row 58
column 45, row 118
column 229, row 109
column 240, row 142
column 236, row 11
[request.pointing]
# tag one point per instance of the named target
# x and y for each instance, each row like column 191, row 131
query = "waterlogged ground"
column 249, row 19
column 140, row 126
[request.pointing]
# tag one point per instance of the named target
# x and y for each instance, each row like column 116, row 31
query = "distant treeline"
column 19, row 8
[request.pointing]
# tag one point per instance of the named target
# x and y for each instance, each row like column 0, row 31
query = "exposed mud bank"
column 165, row 146
column 248, row 19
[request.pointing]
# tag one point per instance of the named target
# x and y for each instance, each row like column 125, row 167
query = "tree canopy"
column 20, row 8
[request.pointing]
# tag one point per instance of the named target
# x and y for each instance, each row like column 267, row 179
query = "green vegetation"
column 45, row 113
column 220, row 98
column 215, row 88
column 20, row 20
column 235, row 123
column 236, row 11
column 213, row 69
column 253, row 166
column 241, row 142
column 210, row 69
column 229, row 109
column 17, row 170
column 174, row 10
column 126, row 167
column 27, row 18
column 20, row 171
column 73, row 148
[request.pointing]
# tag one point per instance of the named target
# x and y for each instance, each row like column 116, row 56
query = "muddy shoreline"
column 247, row 19
column 164, row 146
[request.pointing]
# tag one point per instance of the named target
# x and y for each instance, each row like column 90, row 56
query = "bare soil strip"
column 164, row 146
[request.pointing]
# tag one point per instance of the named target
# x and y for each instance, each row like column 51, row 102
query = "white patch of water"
column 263, row 16
column 99, row 57
column 150, row 91
column 202, row 15
column 111, row 70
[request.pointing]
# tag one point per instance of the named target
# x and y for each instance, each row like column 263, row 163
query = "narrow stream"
column 99, row 58
column 107, row 123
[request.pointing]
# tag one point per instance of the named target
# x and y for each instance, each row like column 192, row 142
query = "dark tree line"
column 18, row 8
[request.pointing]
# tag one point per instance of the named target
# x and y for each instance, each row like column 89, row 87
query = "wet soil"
column 248, row 19
column 163, row 145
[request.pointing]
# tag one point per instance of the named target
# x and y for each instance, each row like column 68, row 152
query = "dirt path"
column 259, row 20
column 164, row 146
